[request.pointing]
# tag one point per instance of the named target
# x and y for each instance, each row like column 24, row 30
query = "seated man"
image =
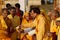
column 5, row 25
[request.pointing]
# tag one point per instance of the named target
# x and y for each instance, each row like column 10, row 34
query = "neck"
column 4, row 18
column 12, row 15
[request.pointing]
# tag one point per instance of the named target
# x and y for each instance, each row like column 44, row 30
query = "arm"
column 40, row 28
column 26, row 24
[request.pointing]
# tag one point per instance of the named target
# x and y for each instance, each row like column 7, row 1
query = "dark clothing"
column 54, row 36
column 8, row 12
column 20, row 14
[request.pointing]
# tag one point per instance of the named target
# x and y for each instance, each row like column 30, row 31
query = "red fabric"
column 18, row 13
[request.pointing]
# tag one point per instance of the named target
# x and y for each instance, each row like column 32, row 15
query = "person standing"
column 15, row 21
column 19, row 12
column 8, row 6
column 5, row 25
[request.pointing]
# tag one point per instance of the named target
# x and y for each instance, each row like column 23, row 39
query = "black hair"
column 8, row 4
column 35, row 9
column 4, row 9
column 17, row 5
column 12, row 8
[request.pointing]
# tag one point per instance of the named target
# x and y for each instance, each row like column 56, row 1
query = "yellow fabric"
column 47, row 25
column 15, row 20
column 29, row 37
column 40, row 27
column 2, row 23
column 53, row 26
column 21, row 36
column 58, row 29
column 47, row 20
column 59, row 33
column 26, row 13
column 27, row 24
column 58, row 19
column 3, row 27
column 40, row 24
column 47, row 38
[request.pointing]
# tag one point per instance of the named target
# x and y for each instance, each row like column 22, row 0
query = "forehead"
column 32, row 12
column 5, row 11
column 12, row 9
column 53, row 14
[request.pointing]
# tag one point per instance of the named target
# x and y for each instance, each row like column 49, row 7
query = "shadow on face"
column 5, row 13
column 13, row 11
column 33, row 15
column 58, row 23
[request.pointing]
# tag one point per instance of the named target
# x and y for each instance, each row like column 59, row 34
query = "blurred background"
column 26, row 4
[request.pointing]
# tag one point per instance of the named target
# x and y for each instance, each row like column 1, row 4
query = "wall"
column 22, row 3
column 32, row 2
column 12, row 2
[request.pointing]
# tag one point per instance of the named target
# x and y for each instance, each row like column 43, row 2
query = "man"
column 13, row 17
column 40, row 22
column 54, row 16
column 15, row 21
column 8, row 6
column 58, row 26
column 19, row 12
column 5, row 25
column 53, row 26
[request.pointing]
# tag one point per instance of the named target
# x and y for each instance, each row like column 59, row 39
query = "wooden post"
column 55, row 3
column 0, row 6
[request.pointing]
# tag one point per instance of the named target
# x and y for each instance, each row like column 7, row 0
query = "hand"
column 6, row 32
column 49, row 34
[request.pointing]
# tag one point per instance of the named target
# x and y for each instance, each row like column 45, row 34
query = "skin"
column 33, row 15
column 58, row 23
column 5, row 13
column 27, row 17
column 53, row 16
column 13, row 11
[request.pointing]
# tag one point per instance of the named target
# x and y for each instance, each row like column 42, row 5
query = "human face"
column 5, row 13
column 58, row 23
column 27, row 17
column 33, row 15
column 49, row 13
column 13, row 11
column 53, row 16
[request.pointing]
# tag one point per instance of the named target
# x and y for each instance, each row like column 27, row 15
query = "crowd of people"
column 33, row 25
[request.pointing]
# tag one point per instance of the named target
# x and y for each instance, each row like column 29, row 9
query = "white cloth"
column 27, row 30
column 17, row 28
column 32, row 32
